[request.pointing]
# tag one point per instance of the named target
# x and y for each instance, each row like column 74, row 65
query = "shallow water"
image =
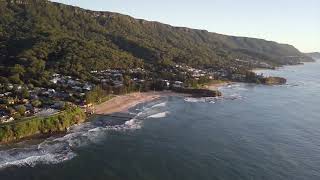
column 253, row 132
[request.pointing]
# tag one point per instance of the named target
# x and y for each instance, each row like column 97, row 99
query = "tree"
column 21, row 109
column 3, row 80
column 17, row 69
column 11, row 111
column 25, row 93
column 15, row 79
column 36, row 103
column 95, row 95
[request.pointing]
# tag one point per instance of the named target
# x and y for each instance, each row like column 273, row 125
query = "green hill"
column 38, row 37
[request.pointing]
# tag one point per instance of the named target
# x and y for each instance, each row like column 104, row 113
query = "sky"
column 295, row 22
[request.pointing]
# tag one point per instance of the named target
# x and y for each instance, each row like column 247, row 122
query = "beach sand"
column 124, row 102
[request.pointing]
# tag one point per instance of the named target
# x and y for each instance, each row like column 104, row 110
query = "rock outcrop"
column 199, row 92
column 274, row 81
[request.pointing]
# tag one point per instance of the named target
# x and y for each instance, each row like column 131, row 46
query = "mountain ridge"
column 187, row 29
column 174, row 26
column 43, row 36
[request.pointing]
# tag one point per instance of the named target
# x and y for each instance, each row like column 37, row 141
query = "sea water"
column 252, row 132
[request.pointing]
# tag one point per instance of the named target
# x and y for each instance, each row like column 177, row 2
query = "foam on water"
column 132, row 124
column 159, row 115
column 55, row 150
column 31, row 161
column 47, row 152
column 52, row 150
column 163, row 104
column 211, row 100
column 194, row 100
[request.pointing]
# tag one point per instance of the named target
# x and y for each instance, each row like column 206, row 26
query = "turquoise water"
column 253, row 132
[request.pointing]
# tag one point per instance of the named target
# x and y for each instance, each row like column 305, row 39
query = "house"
column 51, row 91
column 166, row 83
column 56, row 75
column 7, row 119
column 28, row 112
column 177, row 84
column 34, row 96
column 29, row 107
column 10, row 101
column 2, row 113
column 55, row 80
column 10, row 86
column 77, row 88
column 117, row 83
column 71, row 82
column 87, row 87
column 24, row 101
column 7, row 93
column 58, row 105
column 105, row 80
column 3, row 118
column 19, row 87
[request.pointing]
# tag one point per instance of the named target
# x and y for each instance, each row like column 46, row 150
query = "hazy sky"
column 295, row 22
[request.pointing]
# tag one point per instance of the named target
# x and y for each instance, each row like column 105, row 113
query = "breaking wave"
column 163, row 104
column 55, row 150
column 159, row 115
column 132, row 124
column 211, row 100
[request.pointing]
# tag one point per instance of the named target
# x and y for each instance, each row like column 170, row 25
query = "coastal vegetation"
column 38, row 37
column 195, row 92
column 274, row 81
column 41, row 125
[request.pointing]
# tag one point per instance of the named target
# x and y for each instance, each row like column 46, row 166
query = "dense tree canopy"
column 38, row 37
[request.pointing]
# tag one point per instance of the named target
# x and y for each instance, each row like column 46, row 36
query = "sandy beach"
column 124, row 102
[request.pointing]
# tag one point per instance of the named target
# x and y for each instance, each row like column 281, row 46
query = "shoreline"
column 123, row 103
column 118, row 104
column 216, row 86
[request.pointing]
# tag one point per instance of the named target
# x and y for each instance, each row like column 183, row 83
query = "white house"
column 177, row 84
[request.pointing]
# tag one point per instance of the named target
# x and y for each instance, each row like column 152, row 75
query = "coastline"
column 118, row 104
column 41, row 126
column 216, row 86
column 123, row 103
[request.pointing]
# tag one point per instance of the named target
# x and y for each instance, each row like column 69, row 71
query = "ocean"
column 252, row 132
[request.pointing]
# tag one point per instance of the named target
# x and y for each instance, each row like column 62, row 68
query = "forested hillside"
column 38, row 37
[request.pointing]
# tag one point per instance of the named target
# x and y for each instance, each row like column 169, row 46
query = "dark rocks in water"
column 199, row 92
column 274, row 81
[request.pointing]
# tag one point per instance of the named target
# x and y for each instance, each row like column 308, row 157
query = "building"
column 177, row 84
